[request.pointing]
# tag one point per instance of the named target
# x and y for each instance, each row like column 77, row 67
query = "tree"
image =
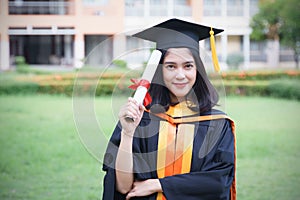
column 277, row 20
column 290, row 28
column 266, row 26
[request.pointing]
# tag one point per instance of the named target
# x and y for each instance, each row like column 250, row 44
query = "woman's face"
column 179, row 72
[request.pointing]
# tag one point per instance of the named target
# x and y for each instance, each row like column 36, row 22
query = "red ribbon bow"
column 144, row 83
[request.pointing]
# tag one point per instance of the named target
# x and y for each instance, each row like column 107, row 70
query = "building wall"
column 114, row 20
column 83, row 19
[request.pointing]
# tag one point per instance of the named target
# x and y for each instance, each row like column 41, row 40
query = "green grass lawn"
column 42, row 156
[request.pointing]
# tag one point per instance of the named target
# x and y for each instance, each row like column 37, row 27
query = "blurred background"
column 53, row 51
column 258, row 33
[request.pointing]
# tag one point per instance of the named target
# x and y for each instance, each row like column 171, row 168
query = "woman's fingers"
column 131, row 109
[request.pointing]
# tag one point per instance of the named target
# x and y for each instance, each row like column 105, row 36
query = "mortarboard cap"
column 175, row 33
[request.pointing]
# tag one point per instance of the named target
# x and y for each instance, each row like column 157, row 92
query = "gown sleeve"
column 214, row 179
column 140, row 163
column 109, row 181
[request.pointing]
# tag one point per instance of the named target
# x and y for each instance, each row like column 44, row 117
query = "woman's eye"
column 170, row 66
column 188, row 66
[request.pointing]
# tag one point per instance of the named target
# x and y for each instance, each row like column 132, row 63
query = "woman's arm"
column 124, row 160
column 144, row 188
column 124, row 164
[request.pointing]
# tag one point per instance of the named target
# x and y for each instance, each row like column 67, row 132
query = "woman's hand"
column 144, row 188
column 131, row 110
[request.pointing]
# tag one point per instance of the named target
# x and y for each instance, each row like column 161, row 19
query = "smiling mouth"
column 180, row 84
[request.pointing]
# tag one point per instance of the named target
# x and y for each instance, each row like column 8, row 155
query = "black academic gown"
column 212, row 168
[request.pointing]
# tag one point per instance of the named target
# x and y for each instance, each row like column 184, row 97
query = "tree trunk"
column 272, row 52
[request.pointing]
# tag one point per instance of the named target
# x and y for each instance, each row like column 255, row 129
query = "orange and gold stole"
column 175, row 142
column 175, row 145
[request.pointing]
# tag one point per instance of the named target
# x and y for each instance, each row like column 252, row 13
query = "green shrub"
column 19, row 88
column 285, row 88
column 257, row 75
column 21, row 65
column 120, row 63
column 235, row 83
column 246, row 88
column 20, row 60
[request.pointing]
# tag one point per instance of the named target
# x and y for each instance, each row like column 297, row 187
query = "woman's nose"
column 180, row 74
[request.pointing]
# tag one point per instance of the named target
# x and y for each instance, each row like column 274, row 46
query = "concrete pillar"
column 170, row 5
column 4, row 38
column 68, row 49
column 247, row 9
column 4, row 52
column 119, row 45
column 224, row 43
column 246, row 51
column 224, row 8
column 146, row 9
column 78, row 50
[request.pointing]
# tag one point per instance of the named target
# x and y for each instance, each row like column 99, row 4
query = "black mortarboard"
column 175, row 33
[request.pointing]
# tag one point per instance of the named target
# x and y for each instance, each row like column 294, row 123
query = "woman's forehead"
column 179, row 53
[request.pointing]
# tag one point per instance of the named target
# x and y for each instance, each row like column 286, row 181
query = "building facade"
column 68, row 32
column 56, row 32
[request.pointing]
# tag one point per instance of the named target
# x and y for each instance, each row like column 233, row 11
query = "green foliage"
column 258, row 28
column 278, row 20
column 21, row 65
column 234, row 60
column 290, row 22
column 257, row 75
column 284, row 88
column 246, row 88
column 19, row 88
column 20, row 60
column 266, row 23
column 120, row 63
column 249, row 83
column 291, row 27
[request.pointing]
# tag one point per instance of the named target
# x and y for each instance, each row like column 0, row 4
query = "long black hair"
column 202, row 97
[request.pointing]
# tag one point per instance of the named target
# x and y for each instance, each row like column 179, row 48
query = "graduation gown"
column 192, row 155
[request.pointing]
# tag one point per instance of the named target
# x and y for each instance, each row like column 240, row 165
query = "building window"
column 257, row 51
column 134, row 7
column 182, row 8
column 94, row 46
column 235, row 7
column 212, row 8
column 35, row 7
column 158, row 8
column 43, row 49
column 95, row 2
column 253, row 7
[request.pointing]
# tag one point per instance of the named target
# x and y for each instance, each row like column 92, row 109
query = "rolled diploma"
column 148, row 74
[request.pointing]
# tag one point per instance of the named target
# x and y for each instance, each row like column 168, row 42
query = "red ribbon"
column 143, row 83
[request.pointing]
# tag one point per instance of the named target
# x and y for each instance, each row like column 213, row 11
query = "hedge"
column 19, row 88
column 279, row 88
column 257, row 75
column 116, row 83
column 289, row 89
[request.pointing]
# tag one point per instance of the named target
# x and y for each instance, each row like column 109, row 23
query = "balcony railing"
column 40, row 8
column 158, row 10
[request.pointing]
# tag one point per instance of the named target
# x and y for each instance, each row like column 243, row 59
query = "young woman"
column 178, row 147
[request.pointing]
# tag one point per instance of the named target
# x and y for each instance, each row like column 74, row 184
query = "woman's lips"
column 180, row 85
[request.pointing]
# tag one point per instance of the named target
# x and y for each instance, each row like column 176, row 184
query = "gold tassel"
column 213, row 51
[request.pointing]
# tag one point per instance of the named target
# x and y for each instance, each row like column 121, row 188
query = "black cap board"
column 177, row 33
